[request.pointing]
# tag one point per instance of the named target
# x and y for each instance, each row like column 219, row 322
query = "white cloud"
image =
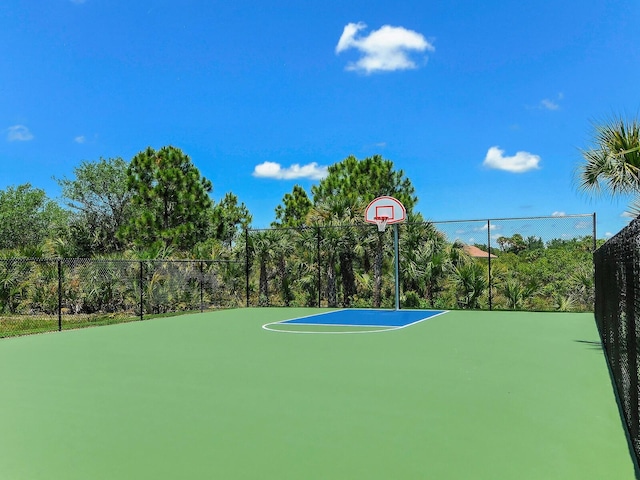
column 386, row 49
column 19, row 133
column 558, row 214
column 485, row 227
column 519, row 163
column 311, row 171
column 551, row 104
column 80, row 139
column 495, row 227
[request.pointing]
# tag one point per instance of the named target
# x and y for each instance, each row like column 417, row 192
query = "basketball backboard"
column 385, row 207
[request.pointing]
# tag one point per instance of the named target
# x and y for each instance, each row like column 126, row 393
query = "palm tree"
column 341, row 243
column 373, row 250
column 12, row 285
column 377, row 268
column 306, row 265
column 582, row 286
column 424, row 258
column 330, row 239
column 612, row 163
column 284, row 242
column 471, row 282
column 350, row 248
column 265, row 251
column 516, row 293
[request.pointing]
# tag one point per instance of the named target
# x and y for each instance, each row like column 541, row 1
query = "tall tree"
column 170, row 197
column 350, row 185
column 294, row 208
column 331, row 240
column 360, row 181
column 425, row 258
column 612, row 162
column 514, row 244
column 341, row 242
column 263, row 247
column 102, row 201
column 28, row 217
column 230, row 219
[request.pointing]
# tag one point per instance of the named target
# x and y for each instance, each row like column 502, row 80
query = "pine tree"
column 294, row 209
column 358, row 182
column 229, row 220
column 172, row 207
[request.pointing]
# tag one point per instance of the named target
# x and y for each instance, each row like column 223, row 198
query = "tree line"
column 156, row 205
column 352, row 266
column 159, row 206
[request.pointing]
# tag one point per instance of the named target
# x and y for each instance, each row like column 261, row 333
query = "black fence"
column 533, row 263
column 617, row 312
column 39, row 295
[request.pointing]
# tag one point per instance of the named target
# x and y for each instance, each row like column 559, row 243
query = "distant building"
column 475, row 252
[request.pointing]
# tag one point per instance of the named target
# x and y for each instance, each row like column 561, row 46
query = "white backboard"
column 385, row 206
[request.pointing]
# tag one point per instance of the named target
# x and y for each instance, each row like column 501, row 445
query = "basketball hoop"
column 381, row 222
column 382, row 211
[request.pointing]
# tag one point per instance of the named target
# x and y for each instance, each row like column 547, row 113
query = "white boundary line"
column 426, row 318
column 378, row 328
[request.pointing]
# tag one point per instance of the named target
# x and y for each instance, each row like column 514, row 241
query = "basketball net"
column 381, row 222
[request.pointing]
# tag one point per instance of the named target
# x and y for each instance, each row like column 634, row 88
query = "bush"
column 412, row 300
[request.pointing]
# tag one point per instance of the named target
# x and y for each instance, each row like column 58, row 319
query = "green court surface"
column 464, row 395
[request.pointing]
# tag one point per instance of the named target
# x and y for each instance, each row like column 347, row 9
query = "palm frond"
column 633, row 210
column 612, row 163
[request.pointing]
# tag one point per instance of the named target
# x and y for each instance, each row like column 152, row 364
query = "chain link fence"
column 536, row 263
column 532, row 263
column 617, row 312
column 41, row 295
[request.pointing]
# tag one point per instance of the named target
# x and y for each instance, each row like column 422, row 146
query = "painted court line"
column 326, row 332
column 356, row 314
column 368, row 317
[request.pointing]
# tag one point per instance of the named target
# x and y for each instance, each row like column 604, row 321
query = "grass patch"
column 18, row 325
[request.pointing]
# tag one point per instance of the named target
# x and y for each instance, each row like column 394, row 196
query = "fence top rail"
column 362, row 225
column 114, row 260
column 303, row 228
column 632, row 229
column 502, row 219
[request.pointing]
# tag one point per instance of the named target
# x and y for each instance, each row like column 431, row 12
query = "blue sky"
column 483, row 105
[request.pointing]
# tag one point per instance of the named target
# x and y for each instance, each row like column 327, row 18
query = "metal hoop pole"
column 396, row 260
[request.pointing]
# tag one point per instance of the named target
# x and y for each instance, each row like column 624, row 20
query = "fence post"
column 246, row 262
column 489, row 263
column 59, row 295
column 594, row 232
column 319, row 267
column 201, row 287
column 630, row 343
column 593, row 251
column 141, row 290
